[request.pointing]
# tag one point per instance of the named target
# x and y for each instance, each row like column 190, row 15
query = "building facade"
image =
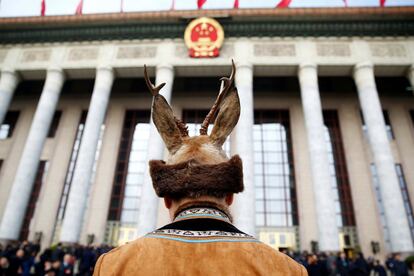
column 326, row 131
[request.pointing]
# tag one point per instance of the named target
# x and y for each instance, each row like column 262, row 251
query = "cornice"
column 236, row 23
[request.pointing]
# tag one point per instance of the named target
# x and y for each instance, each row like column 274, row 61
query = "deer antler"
column 227, row 84
column 155, row 90
column 182, row 127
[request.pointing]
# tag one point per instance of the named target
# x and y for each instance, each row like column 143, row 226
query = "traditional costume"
column 201, row 240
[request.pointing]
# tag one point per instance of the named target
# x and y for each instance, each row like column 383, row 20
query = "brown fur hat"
column 187, row 179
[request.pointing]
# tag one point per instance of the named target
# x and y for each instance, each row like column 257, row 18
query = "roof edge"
column 368, row 13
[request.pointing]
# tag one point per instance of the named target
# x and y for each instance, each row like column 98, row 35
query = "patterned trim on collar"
column 211, row 233
column 203, row 212
column 201, row 236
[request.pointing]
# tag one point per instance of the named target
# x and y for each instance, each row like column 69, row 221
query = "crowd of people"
column 323, row 264
column 27, row 259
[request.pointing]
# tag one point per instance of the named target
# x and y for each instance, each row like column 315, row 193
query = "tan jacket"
column 174, row 251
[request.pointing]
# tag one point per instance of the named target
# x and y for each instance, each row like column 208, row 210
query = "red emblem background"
column 204, row 37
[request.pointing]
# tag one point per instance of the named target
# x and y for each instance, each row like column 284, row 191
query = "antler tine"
column 182, row 127
column 228, row 83
column 229, row 80
column 155, row 90
column 233, row 72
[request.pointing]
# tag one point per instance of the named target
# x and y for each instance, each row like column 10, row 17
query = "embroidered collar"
column 201, row 225
column 202, row 212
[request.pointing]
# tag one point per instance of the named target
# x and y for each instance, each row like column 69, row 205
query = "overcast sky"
column 58, row 7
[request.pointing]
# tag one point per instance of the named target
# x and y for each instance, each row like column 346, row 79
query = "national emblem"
column 204, row 37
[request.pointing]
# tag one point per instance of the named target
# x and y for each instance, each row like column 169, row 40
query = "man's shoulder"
column 116, row 259
column 125, row 249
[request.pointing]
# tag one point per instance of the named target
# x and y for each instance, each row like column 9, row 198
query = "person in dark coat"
column 28, row 263
column 331, row 263
column 323, row 262
column 16, row 263
column 66, row 268
column 314, row 267
column 4, row 266
column 379, row 270
column 360, row 266
column 342, row 265
column 400, row 267
column 52, row 268
column 87, row 261
column 57, row 253
column 389, row 262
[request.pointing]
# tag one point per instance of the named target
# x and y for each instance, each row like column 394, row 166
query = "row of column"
column 23, row 182
column 321, row 179
column 73, row 219
column 395, row 215
column 242, row 143
column 26, row 171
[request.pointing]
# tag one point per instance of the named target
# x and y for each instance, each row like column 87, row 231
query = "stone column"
column 242, row 143
column 8, row 82
column 100, row 196
column 308, row 228
column 358, row 166
column 49, row 200
column 26, row 171
column 410, row 76
column 322, row 186
column 148, row 211
column 395, row 215
column 72, row 222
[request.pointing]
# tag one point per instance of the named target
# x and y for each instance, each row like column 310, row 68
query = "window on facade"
column 94, row 169
column 130, row 168
column 193, row 118
column 388, row 127
column 1, row 164
column 405, row 196
column 34, row 195
column 412, row 116
column 71, row 168
column 393, row 86
column 55, row 124
column 338, row 170
column 380, row 204
column 276, row 203
column 10, row 121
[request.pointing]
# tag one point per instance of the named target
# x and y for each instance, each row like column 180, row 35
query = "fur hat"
column 187, row 180
column 197, row 165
